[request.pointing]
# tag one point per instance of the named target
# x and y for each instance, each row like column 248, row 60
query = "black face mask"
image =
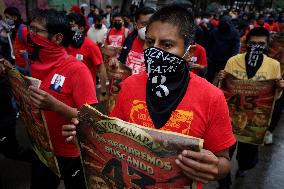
column 168, row 78
column 77, row 38
column 254, row 58
column 98, row 26
column 117, row 25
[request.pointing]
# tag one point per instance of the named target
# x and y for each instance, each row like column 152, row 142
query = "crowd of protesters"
column 70, row 53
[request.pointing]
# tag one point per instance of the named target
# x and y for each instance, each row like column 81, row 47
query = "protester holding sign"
column 170, row 98
column 66, row 85
column 256, row 66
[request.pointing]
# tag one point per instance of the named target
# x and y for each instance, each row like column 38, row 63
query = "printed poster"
column 115, row 76
column 33, row 118
column 250, row 105
column 276, row 49
column 121, row 155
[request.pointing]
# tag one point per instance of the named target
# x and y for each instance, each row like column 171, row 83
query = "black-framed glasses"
column 36, row 30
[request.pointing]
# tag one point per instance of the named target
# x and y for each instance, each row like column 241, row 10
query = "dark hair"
column 108, row 7
column 55, row 22
column 13, row 11
column 259, row 32
column 177, row 16
column 79, row 19
column 98, row 18
column 144, row 11
column 116, row 15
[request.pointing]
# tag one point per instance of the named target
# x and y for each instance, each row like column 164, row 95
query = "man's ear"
column 14, row 17
column 82, row 29
column 58, row 38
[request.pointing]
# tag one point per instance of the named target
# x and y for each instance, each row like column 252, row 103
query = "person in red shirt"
column 132, row 55
column 66, row 85
column 19, row 35
column 169, row 97
column 260, row 23
column 118, row 33
column 87, row 51
column 198, row 62
column 273, row 26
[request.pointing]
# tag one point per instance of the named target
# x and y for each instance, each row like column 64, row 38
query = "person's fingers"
column 36, row 95
column 75, row 121
column 36, row 103
column 69, row 127
column 190, row 172
column 70, row 139
column 203, row 156
column 200, row 167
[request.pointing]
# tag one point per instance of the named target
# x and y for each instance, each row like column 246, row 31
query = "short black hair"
column 144, row 11
column 109, row 7
column 13, row 11
column 116, row 15
column 177, row 16
column 259, row 32
column 55, row 22
column 79, row 19
column 98, row 18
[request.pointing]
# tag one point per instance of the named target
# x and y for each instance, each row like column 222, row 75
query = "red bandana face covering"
column 44, row 55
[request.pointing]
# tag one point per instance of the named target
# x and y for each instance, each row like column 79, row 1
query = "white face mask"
column 141, row 33
column 205, row 20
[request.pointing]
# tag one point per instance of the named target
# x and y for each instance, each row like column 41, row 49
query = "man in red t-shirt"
column 273, row 26
column 132, row 55
column 118, row 33
column 66, row 85
column 85, row 50
column 198, row 61
column 170, row 98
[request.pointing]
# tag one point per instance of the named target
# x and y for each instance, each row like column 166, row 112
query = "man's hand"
column 69, row 131
column 195, row 66
column 113, row 62
column 280, row 83
column 4, row 66
column 42, row 100
column 200, row 166
column 221, row 75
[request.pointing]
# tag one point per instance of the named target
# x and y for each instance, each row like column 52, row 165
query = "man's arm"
column 43, row 100
column 102, row 75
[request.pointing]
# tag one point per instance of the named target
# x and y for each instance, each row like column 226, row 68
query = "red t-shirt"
column 202, row 113
column 20, row 45
column 199, row 57
column 116, row 37
column 75, row 88
column 274, row 27
column 89, row 53
column 265, row 25
column 135, row 58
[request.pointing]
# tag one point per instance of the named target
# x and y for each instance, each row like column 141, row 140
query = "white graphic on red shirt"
column 79, row 57
column 115, row 40
column 135, row 61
